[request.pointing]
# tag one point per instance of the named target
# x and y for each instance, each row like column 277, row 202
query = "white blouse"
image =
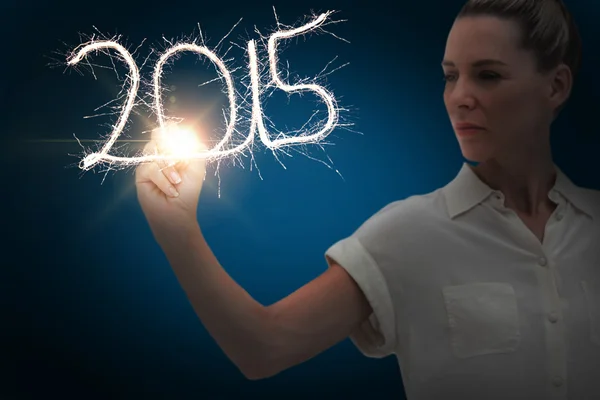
column 470, row 301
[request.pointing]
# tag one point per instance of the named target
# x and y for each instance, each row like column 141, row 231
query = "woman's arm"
column 263, row 341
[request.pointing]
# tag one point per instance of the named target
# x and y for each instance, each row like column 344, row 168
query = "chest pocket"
column 483, row 318
column 592, row 297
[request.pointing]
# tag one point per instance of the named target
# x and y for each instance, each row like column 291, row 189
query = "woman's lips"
column 469, row 131
column 467, row 128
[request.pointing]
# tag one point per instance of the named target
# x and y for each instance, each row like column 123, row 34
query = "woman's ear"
column 561, row 83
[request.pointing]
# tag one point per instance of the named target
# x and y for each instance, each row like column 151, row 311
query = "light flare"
column 178, row 142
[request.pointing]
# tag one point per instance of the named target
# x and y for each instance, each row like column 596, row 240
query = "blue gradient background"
column 90, row 307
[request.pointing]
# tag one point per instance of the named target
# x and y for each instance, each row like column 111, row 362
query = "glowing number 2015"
column 257, row 123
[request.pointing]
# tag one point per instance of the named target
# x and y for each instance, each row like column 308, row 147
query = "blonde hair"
column 548, row 28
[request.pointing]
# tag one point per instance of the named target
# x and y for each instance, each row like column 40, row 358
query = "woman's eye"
column 489, row 76
column 449, row 77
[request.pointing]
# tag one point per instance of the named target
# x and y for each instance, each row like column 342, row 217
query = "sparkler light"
column 257, row 114
column 94, row 158
column 178, row 142
column 220, row 150
column 224, row 72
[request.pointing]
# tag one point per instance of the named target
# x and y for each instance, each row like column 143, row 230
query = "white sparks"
column 327, row 97
column 181, row 145
column 134, row 76
column 158, row 107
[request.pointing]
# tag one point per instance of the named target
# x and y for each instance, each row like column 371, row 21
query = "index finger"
column 157, row 147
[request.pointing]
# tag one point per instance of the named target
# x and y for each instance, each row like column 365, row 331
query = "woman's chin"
column 475, row 152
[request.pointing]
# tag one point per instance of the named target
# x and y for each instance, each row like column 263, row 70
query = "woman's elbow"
column 258, row 370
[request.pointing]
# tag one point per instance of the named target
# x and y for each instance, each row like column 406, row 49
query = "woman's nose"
column 462, row 95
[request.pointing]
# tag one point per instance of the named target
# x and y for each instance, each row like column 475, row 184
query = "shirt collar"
column 579, row 197
column 466, row 191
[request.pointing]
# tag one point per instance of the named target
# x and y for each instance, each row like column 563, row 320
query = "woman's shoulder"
column 408, row 215
column 591, row 193
column 415, row 205
column 591, row 200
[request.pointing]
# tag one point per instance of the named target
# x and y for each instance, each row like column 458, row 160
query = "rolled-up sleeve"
column 376, row 337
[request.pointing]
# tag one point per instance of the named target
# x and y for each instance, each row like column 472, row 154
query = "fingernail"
column 175, row 176
column 173, row 191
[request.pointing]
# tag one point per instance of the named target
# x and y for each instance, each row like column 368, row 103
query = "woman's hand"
column 169, row 192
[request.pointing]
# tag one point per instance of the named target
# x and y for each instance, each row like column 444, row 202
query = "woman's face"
column 494, row 84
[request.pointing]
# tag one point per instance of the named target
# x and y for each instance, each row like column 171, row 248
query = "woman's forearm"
column 238, row 323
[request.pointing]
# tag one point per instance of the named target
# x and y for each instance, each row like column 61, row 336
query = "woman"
column 486, row 288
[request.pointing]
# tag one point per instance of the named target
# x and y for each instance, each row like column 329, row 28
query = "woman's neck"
column 524, row 178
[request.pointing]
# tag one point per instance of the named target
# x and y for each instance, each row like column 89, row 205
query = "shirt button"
column 557, row 381
column 553, row 317
column 543, row 262
column 559, row 217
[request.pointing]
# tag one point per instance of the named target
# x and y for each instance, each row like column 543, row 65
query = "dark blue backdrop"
column 90, row 307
